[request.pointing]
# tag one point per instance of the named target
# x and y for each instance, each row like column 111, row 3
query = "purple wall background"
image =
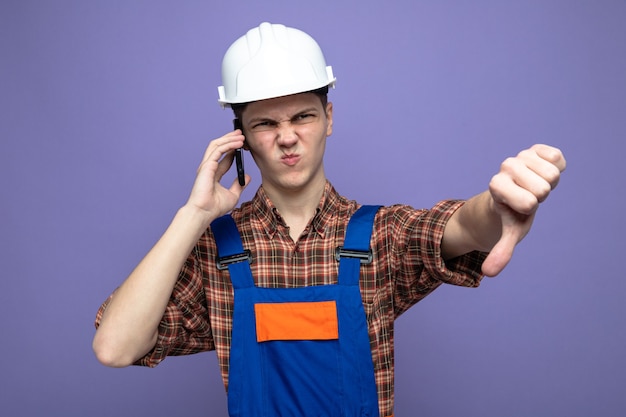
column 106, row 108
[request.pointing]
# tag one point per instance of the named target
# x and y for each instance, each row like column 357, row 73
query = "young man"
column 298, row 330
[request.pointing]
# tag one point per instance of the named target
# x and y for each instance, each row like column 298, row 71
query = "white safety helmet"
column 272, row 61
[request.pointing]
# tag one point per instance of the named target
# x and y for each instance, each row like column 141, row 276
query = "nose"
column 286, row 134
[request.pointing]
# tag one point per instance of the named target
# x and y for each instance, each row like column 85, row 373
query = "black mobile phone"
column 241, row 175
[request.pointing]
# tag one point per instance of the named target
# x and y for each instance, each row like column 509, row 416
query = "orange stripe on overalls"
column 296, row 321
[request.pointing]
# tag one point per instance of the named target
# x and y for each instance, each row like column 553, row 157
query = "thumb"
column 502, row 252
column 237, row 188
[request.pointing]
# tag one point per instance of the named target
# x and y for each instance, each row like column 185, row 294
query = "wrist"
column 194, row 217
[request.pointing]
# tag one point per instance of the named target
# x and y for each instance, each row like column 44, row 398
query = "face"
column 287, row 138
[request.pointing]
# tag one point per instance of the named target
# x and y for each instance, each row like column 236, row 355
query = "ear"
column 329, row 118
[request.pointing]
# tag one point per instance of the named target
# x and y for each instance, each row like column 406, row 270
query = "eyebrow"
column 297, row 113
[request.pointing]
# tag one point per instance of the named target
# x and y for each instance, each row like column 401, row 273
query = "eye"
column 304, row 118
column 263, row 125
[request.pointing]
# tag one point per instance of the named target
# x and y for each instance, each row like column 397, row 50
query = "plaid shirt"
column 407, row 266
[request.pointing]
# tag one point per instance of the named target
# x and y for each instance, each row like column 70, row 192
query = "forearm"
column 129, row 325
column 475, row 226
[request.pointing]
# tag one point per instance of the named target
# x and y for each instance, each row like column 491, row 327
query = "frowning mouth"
column 291, row 159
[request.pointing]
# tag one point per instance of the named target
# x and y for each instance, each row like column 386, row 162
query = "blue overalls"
column 300, row 352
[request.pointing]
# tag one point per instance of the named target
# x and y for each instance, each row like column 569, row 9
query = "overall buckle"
column 364, row 256
column 223, row 262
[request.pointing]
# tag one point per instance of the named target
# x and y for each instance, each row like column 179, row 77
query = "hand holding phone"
column 241, row 175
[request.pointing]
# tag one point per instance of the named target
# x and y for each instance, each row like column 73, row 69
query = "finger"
column 224, row 165
column 508, row 192
column 545, row 169
column 552, row 155
column 218, row 147
column 501, row 253
column 218, row 157
column 520, row 173
column 238, row 188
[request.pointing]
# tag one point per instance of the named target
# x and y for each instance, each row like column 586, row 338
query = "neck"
column 297, row 207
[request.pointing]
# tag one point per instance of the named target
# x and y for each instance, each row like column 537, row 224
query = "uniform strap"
column 356, row 247
column 230, row 252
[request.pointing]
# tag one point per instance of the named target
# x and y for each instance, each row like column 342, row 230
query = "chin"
column 294, row 182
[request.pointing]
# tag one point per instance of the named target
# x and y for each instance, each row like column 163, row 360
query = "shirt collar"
column 271, row 220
